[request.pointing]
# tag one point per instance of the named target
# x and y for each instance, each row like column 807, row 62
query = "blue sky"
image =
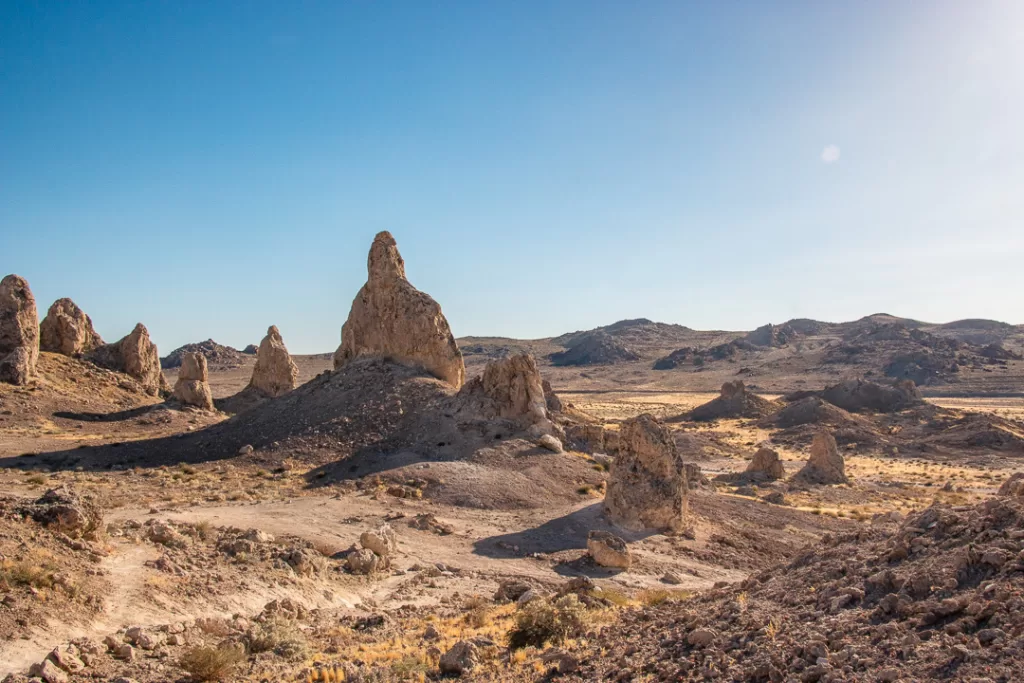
column 211, row 168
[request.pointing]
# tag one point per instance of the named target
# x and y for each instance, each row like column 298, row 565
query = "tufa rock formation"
column 766, row 465
column 274, row 373
column 511, row 388
column 67, row 330
column 19, row 331
column 1014, row 486
column 192, row 387
column 647, row 487
column 734, row 401
column 133, row 355
column 826, row 464
column 551, row 398
column 393, row 319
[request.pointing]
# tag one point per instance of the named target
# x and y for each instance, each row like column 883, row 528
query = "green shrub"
column 544, row 621
column 211, row 663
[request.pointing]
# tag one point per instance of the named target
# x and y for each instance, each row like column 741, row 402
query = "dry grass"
column 211, row 663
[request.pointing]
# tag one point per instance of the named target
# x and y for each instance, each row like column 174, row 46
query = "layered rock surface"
column 275, row 372
column 647, row 487
column 19, row 331
column 67, row 330
column 392, row 319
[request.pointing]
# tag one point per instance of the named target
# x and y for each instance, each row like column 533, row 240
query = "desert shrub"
column 37, row 571
column 204, row 530
column 652, row 597
column 616, row 597
column 211, row 663
column 37, row 479
column 279, row 636
column 545, row 621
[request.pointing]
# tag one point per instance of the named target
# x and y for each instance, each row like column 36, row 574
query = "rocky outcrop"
column 134, row 355
column 1014, row 486
column 392, row 319
column 608, row 550
column 585, row 438
column 275, row 372
column 772, row 335
column 19, row 331
column 766, row 465
column 378, row 548
column 647, row 487
column 67, row 330
column 67, row 512
column 551, row 398
column 733, row 401
column 826, row 464
column 594, row 348
column 510, row 388
column 193, row 385
column 857, row 395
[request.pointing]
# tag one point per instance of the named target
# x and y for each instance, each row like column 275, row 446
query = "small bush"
column 653, row 597
column 37, row 479
column 281, row 637
column 543, row 621
column 204, row 530
column 211, row 663
column 34, row 572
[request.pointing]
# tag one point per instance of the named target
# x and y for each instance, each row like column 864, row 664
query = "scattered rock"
column 672, row 578
column 381, row 541
column 134, row 355
column 49, row 672
column 766, row 465
column 608, row 550
column 19, row 331
column 511, row 590
column 275, row 372
column 550, row 442
column 647, row 486
column 67, row 330
column 193, row 387
column 826, row 464
column 66, row 511
column 393, row 319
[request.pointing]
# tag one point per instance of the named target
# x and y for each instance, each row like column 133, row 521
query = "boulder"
column 275, row 372
column 363, row 561
column 462, row 658
column 647, row 487
column 67, row 330
column 134, row 355
column 608, row 550
column 766, row 465
column 64, row 510
column 381, row 541
column 826, row 464
column 19, row 331
column 390, row 318
column 192, row 387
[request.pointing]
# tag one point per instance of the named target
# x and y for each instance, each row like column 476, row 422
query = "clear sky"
column 211, row 168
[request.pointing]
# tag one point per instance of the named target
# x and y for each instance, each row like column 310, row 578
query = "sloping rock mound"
column 67, row 330
column 766, row 465
column 734, row 401
column 251, row 350
column 1014, row 486
column 19, row 331
column 596, row 348
column 647, row 488
column 192, row 387
column 856, row 395
column 936, row 598
column 134, row 355
column 689, row 355
column 215, row 354
column 275, row 372
column 811, row 410
column 826, row 464
column 375, row 421
column 772, row 335
column 392, row 319
column 975, row 431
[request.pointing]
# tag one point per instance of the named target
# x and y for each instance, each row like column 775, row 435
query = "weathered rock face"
column 275, row 372
column 647, row 487
column 585, row 438
column 67, row 330
column 393, row 319
column 766, row 465
column 133, row 355
column 19, row 331
column 857, row 395
column 608, row 550
column 192, row 387
column 552, row 399
column 826, row 464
